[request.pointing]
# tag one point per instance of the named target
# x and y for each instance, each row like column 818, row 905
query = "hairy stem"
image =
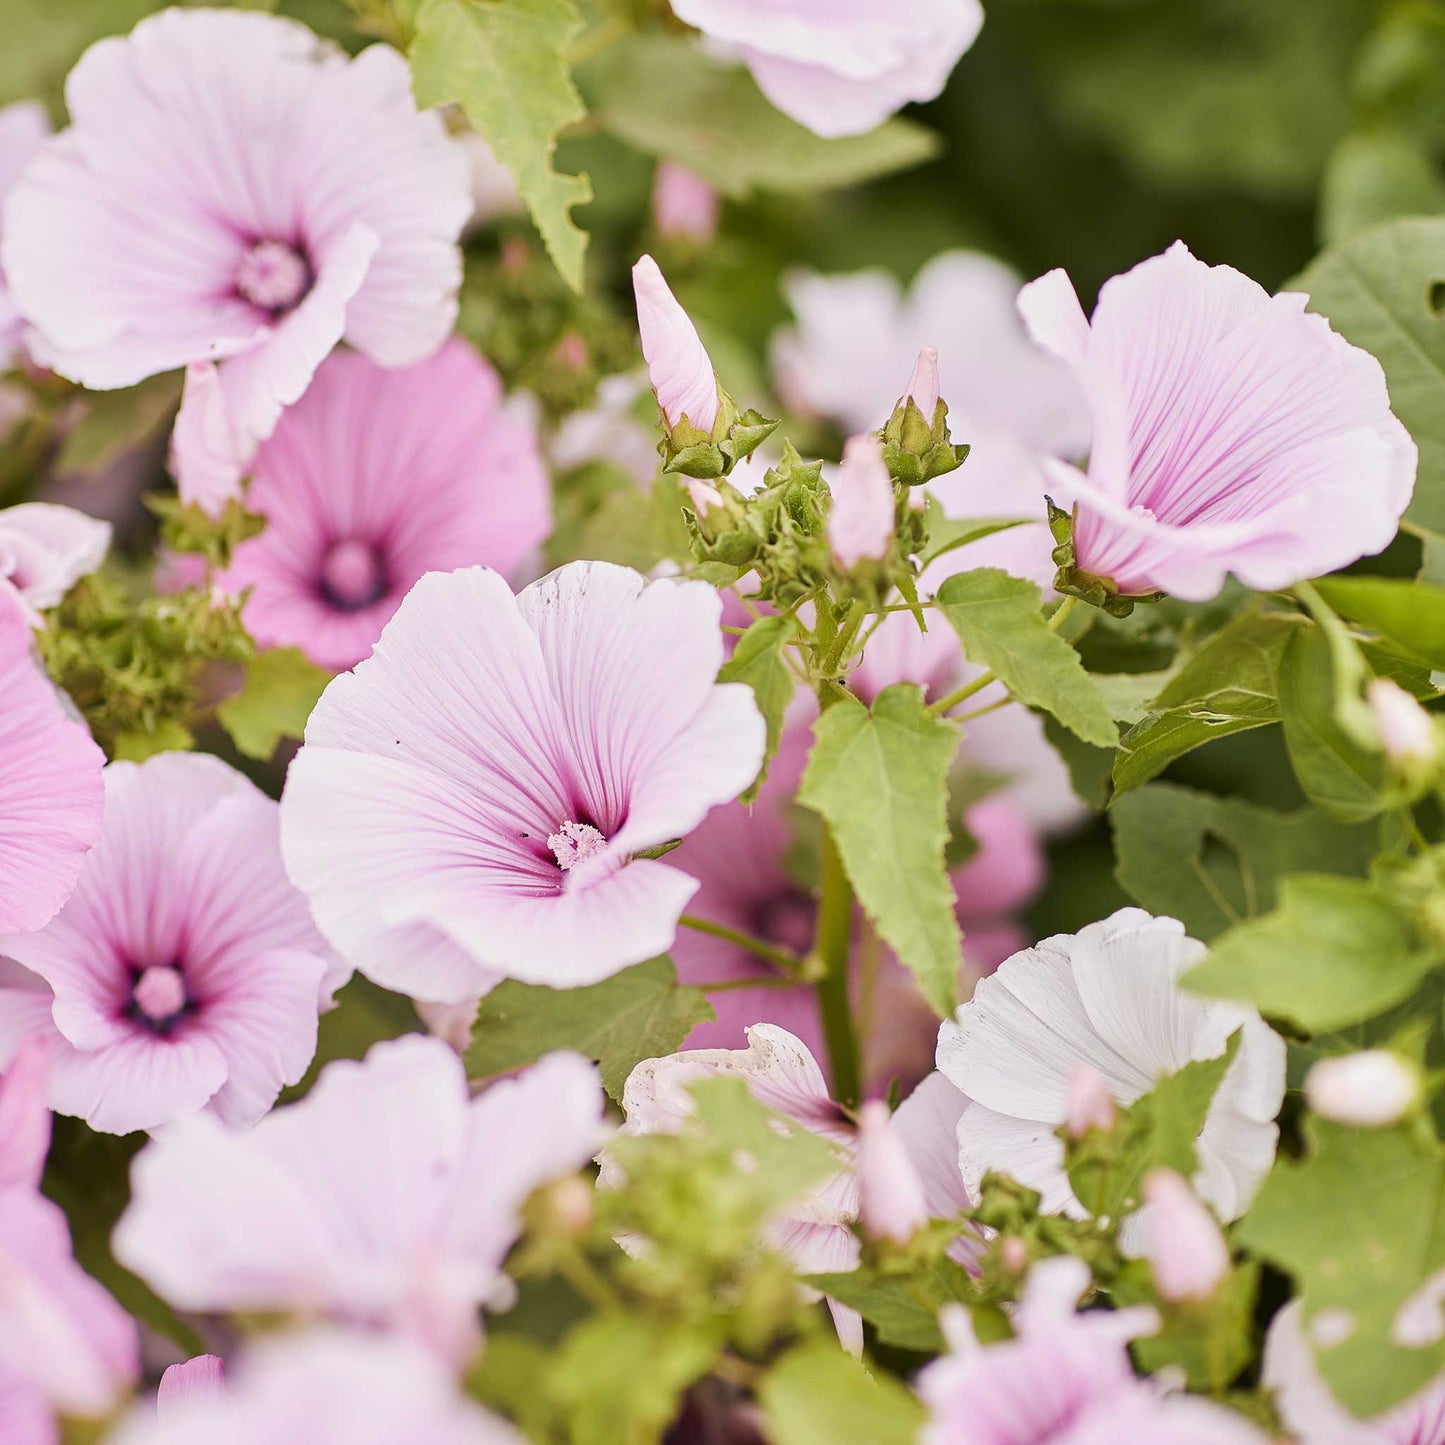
column 783, row 959
column 831, row 945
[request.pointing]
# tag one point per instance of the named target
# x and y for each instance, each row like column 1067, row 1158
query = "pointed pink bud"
column 1370, row 1089
column 923, row 384
column 25, row 1114
column 1407, row 732
column 860, row 524
column 1182, row 1239
column 209, row 456
column 703, row 497
column 201, row 1378
column 1090, row 1104
column 684, row 206
column 890, row 1194
column 677, row 363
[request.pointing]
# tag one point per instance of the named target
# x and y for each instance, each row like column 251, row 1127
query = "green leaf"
column 135, row 745
column 43, row 40
column 1360, row 1224
column 902, row 1308
column 663, row 96
column 1380, row 290
column 1335, row 950
column 503, row 62
column 758, row 660
column 640, row 1013
column 817, row 1395
column 1213, row 1341
column 282, row 686
column 1376, row 176
column 1228, row 686
column 1211, row 862
column 1411, row 615
column 947, row 534
column 999, row 621
column 115, row 422
column 880, row 780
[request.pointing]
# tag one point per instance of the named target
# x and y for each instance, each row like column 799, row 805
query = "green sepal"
column 916, row 450
column 689, row 451
column 1073, row 581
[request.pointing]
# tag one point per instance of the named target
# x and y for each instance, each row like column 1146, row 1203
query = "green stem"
column 1062, row 611
column 730, row 985
column 783, row 959
column 959, row 694
column 837, row 653
column 984, row 711
column 831, row 944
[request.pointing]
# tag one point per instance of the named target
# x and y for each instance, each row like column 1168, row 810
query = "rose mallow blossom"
column 231, row 189
column 470, row 802
column 677, row 362
column 23, row 129
column 841, row 67
column 325, row 1388
column 891, row 1202
column 184, row 971
column 45, row 550
column 209, row 455
column 1108, row 996
column 51, row 794
column 1063, row 1379
column 1233, row 432
column 387, row 1197
column 374, row 478
column 860, row 523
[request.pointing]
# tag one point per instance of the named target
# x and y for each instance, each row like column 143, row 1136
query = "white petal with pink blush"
column 45, row 550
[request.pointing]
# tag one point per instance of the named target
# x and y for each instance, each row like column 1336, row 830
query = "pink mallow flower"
column 326, row 1388
column 23, row 129
column 45, row 550
column 51, row 794
column 1233, row 432
column 231, row 189
column 374, row 478
column 209, row 453
column 184, row 972
column 841, row 67
column 25, row 1115
column 469, row 803
column 386, row 1197
column 1063, row 1379
column 860, row 524
column 677, row 362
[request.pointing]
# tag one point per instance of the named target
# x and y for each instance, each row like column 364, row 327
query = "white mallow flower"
column 1109, row 997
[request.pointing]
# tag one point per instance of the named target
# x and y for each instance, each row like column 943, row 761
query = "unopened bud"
column 703, row 497
column 916, row 442
column 209, row 454
column 1369, row 1090
column 1407, row 732
column 861, row 521
column 684, row 206
column 677, row 362
column 923, row 384
column 1182, row 1240
column 568, row 1206
column 1090, row 1105
column 890, row 1194
column 1013, row 1254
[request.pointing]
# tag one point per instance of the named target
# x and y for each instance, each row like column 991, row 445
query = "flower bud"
column 208, row 454
column 1182, row 1240
column 1407, row 732
column 1370, row 1089
column 861, row 522
column 677, row 362
column 684, row 206
column 1090, row 1105
column 923, row 384
column 704, row 497
column 890, row 1194
column 916, row 442
column 200, row 1378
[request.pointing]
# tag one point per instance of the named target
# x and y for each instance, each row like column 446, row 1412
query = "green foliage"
column 880, row 780
column 115, row 422
column 1335, row 950
column 662, row 95
column 999, row 621
column 1211, row 862
column 758, row 660
column 1407, row 615
column 947, row 534
column 640, row 1013
column 503, row 62
column 280, row 689
column 901, row 1305
column 817, row 1395
column 1375, row 176
column 1360, row 1225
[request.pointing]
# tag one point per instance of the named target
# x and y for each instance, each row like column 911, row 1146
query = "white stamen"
column 574, row 843
column 273, row 276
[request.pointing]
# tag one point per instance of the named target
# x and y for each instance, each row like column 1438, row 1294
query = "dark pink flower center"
column 274, row 276
column 353, row 574
column 575, row 843
column 159, row 998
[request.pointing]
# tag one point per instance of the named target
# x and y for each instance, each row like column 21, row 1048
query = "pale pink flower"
column 231, row 189
column 677, row 362
column 200, row 1379
column 209, row 454
column 1371, row 1089
column 1108, row 996
column 922, row 388
column 1063, row 1379
column 860, row 523
column 891, row 1203
column 841, row 67
column 684, row 206
column 1090, row 1105
column 326, row 1388
column 374, row 478
column 1310, row 1411
column 1233, row 432
column 184, row 972
column 1182, row 1240
column 387, row 1196
column 1407, row 732
column 469, row 802
column 23, row 129
column 51, row 795
column 25, row 1115
column 45, row 550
